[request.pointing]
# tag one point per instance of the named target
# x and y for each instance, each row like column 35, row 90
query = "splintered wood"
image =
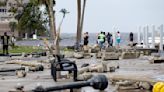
column 24, row 63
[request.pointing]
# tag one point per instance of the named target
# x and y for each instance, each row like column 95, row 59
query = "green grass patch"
column 66, row 49
column 25, row 49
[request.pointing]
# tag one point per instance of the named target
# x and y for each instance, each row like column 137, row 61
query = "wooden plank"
column 135, row 78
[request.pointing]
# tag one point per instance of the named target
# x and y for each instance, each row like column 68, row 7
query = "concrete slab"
column 128, row 67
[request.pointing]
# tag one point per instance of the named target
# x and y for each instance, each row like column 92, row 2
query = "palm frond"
column 64, row 12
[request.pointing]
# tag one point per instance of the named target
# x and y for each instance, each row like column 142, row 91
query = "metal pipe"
column 15, row 69
column 66, row 86
column 97, row 82
column 37, row 68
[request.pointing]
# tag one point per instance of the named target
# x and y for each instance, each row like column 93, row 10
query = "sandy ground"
column 128, row 68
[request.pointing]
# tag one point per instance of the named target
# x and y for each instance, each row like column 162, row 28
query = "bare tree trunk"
column 78, row 23
column 51, row 19
column 53, row 27
column 82, row 19
column 53, row 30
column 58, row 37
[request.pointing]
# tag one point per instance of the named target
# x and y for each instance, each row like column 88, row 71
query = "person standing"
column 101, row 38
column 118, row 39
column 111, row 41
column 5, row 42
column 13, row 40
column 131, row 37
column 86, row 37
column 104, row 37
column 108, row 36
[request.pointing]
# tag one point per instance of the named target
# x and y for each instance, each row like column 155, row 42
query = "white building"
column 6, row 16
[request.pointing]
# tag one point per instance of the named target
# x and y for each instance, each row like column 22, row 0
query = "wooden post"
column 153, row 36
column 114, row 37
column 161, row 38
column 146, row 36
column 139, row 35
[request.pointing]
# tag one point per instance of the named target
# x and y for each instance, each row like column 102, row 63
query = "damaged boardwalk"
column 126, row 70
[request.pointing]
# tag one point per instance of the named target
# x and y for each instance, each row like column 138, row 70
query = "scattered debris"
column 21, row 73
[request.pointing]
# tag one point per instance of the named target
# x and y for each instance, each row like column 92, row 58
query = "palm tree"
column 80, row 21
column 64, row 12
column 82, row 18
column 78, row 35
column 49, row 7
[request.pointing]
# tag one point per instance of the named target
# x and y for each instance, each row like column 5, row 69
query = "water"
column 68, row 39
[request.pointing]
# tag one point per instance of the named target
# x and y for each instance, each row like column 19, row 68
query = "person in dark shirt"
column 131, row 37
column 104, row 37
column 86, row 37
column 5, row 42
column 108, row 36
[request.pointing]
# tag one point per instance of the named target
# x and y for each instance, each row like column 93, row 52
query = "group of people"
column 102, row 38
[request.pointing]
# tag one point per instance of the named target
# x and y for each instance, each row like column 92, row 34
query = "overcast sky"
column 105, row 15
